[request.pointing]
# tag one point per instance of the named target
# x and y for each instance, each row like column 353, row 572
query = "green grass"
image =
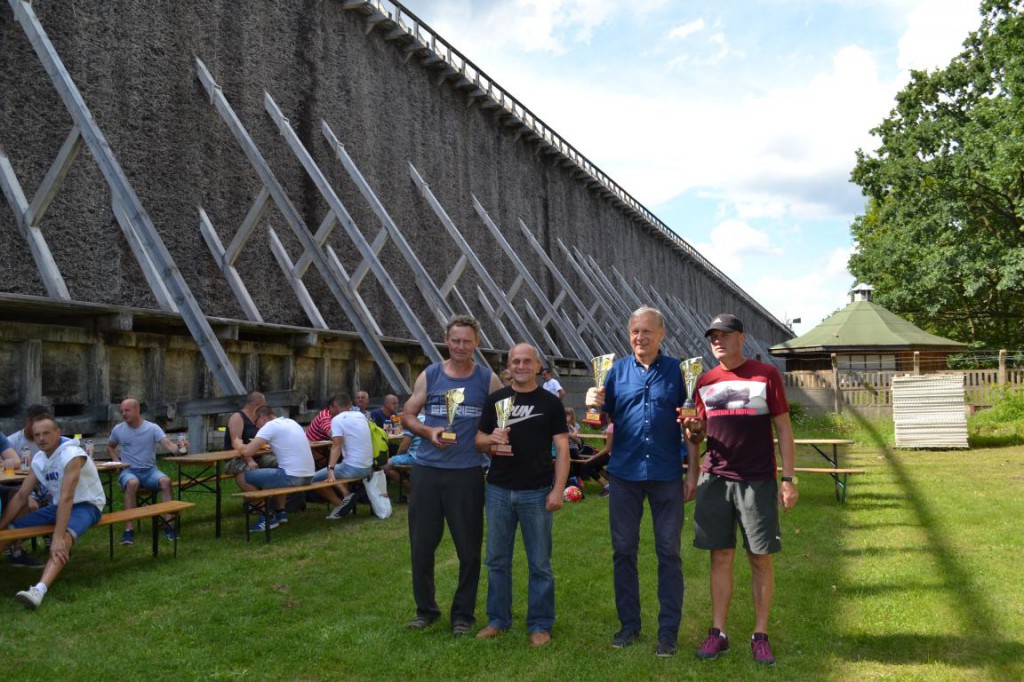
column 916, row 578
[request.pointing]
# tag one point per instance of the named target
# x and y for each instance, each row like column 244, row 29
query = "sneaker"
column 261, row 525
column 761, row 649
column 128, row 537
column 419, row 622
column 666, row 648
column 460, row 628
column 346, row 506
column 22, row 559
column 624, row 638
column 605, row 492
column 714, row 646
column 171, row 534
column 282, row 516
column 31, row 597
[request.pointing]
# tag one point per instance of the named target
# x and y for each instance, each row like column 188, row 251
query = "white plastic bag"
column 377, row 490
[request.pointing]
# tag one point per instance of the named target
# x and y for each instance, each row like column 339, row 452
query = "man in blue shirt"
column 641, row 396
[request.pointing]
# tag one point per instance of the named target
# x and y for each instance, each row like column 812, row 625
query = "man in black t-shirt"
column 520, row 490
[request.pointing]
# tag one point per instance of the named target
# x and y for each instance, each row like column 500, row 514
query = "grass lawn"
column 914, row 579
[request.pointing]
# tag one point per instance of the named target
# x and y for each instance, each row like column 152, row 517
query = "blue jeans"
column 505, row 508
column 625, row 509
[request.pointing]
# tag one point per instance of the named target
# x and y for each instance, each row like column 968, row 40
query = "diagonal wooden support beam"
column 363, row 326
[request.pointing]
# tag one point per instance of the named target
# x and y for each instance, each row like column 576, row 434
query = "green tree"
column 942, row 235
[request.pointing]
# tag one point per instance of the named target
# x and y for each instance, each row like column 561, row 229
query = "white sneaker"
column 31, row 598
column 336, row 513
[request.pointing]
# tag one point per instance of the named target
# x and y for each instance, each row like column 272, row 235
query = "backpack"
column 379, row 439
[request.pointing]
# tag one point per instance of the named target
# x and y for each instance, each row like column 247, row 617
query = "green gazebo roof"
column 863, row 325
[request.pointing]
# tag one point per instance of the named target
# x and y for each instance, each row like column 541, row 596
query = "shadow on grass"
column 979, row 650
column 986, row 647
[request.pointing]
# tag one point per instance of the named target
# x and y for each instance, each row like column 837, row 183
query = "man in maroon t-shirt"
column 740, row 400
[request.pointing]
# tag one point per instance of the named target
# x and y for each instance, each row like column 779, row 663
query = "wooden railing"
column 875, row 387
column 399, row 24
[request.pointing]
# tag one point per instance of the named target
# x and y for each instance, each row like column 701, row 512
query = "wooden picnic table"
column 828, row 448
column 208, row 461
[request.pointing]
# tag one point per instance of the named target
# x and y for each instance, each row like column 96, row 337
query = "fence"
column 863, row 388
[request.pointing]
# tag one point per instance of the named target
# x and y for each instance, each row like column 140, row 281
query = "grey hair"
column 648, row 310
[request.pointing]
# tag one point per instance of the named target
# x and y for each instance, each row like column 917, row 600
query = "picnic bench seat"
column 838, row 475
column 251, row 498
column 154, row 511
column 145, row 496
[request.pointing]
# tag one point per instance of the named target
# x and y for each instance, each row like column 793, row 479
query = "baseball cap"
column 724, row 322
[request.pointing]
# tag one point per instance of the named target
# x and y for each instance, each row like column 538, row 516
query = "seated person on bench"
column 75, row 487
column 133, row 442
column 287, row 440
column 350, row 437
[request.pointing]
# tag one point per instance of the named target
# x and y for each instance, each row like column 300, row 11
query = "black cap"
column 724, row 323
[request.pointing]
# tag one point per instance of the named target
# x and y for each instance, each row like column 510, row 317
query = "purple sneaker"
column 761, row 649
column 714, row 646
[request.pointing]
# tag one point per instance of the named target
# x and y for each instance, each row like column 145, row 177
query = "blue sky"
column 736, row 123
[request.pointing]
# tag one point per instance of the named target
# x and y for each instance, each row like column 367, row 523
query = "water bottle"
column 26, row 459
column 89, row 447
column 182, row 444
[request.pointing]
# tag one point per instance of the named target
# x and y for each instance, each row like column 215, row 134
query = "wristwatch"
column 789, row 479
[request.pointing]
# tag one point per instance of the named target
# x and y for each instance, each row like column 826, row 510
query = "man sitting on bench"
column 350, row 438
column 287, row 440
column 74, row 485
column 133, row 442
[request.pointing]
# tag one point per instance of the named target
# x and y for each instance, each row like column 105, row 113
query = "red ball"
column 572, row 494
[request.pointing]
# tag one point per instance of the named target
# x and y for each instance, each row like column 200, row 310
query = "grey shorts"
column 723, row 503
column 264, row 461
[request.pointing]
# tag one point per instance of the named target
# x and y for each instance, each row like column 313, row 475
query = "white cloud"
column 681, row 31
column 732, row 241
column 935, row 33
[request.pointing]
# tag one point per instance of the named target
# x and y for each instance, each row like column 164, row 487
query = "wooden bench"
column 252, row 498
column 154, row 511
column 838, row 475
column 146, row 496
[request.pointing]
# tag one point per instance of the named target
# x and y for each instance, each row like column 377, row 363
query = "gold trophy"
column 601, row 365
column 453, row 397
column 692, row 369
column 504, row 409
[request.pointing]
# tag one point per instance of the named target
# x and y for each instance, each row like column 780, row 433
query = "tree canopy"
column 942, row 235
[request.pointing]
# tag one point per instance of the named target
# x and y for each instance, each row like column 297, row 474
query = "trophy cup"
column 452, row 398
column 691, row 372
column 601, row 365
column 504, row 409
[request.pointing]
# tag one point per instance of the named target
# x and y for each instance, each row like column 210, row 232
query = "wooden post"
column 30, row 372
column 917, row 362
column 1002, row 367
column 838, row 395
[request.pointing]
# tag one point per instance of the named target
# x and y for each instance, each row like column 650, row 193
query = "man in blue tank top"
column 448, row 479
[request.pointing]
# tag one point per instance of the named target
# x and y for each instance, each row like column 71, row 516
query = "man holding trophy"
column 447, row 478
column 517, row 428
column 642, row 394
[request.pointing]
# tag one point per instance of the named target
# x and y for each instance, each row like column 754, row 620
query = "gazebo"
column 865, row 337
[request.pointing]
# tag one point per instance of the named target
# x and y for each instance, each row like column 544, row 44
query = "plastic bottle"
column 182, row 444
column 26, row 459
column 89, row 447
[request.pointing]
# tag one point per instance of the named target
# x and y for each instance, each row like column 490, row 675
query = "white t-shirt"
column 288, row 441
column 18, row 441
column 50, row 471
column 552, row 386
column 357, row 445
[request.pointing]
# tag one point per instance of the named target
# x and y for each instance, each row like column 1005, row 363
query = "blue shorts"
column 342, row 470
column 84, row 515
column 273, row 478
column 147, row 478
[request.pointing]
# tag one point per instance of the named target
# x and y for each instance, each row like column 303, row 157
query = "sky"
column 736, row 123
